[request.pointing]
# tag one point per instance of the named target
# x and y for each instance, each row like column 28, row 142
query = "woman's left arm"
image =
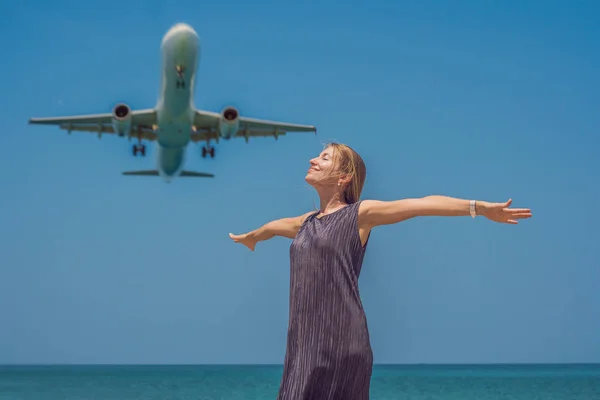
column 374, row 212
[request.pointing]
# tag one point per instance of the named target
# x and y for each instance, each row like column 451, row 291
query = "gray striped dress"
column 328, row 354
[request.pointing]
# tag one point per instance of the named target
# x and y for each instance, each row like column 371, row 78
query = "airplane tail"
column 193, row 174
column 184, row 174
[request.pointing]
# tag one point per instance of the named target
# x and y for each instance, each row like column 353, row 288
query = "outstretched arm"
column 286, row 227
column 374, row 212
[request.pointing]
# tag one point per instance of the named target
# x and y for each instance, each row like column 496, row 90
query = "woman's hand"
column 247, row 239
column 500, row 212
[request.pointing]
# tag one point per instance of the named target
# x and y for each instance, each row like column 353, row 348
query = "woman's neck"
column 331, row 203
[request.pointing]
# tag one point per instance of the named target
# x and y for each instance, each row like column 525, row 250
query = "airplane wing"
column 141, row 123
column 207, row 125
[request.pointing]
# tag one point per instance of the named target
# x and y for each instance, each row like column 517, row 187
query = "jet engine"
column 229, row 122
column 121, row 119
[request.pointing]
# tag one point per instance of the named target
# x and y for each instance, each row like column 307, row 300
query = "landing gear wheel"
column 208, row 150
column 139, row 148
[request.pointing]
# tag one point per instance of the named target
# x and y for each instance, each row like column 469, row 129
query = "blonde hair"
column 348, row 162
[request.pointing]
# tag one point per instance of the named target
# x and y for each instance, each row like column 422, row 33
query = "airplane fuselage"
column 180, row 51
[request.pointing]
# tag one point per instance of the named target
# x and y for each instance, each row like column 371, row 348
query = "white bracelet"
column 472, row 209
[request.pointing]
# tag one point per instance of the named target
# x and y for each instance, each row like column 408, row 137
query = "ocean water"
column 393, row 382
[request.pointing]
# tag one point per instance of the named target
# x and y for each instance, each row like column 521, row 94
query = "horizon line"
column 447, row 364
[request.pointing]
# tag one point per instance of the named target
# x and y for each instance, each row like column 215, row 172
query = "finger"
column 512, row 222
column 513, row 212
column 508, row 203
column 521, row 216
column 519, row 210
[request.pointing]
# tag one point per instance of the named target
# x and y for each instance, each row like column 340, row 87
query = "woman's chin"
column 310, row 178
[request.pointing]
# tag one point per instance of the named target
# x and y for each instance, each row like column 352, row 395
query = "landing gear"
column 208, row 150
column 180, row 81
column 139, row 148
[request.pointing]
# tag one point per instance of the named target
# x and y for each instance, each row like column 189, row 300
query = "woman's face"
column 320, row 167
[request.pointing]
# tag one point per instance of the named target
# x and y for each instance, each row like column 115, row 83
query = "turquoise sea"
column 393, row 382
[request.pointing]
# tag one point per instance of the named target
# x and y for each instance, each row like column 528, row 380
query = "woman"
column 328, row 353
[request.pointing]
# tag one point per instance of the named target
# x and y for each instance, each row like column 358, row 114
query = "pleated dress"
column 328, row 352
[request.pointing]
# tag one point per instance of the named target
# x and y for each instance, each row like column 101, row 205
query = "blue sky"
column 475, row 101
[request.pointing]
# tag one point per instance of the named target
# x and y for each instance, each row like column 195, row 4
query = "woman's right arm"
column 286, row 227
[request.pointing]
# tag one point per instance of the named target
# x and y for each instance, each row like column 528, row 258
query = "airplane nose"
column 180, row 29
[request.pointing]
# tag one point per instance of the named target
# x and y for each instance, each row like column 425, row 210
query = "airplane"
column 174, row 122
